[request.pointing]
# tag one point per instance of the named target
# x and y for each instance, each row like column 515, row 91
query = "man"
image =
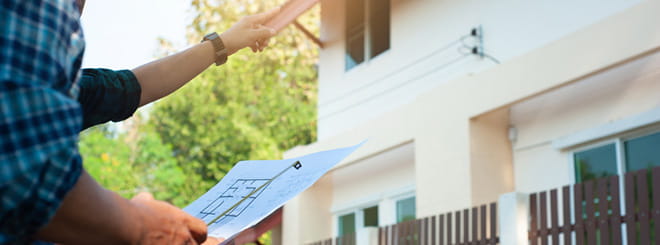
column 45, row 194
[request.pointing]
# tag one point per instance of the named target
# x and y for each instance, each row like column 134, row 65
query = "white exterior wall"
column 421, row 27
column 616, row 94
column 444, row 122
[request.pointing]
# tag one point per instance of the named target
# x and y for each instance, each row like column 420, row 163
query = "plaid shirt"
column 41, row 47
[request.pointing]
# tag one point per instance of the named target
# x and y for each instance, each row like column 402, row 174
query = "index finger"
column 197, row 228
column 265, row 16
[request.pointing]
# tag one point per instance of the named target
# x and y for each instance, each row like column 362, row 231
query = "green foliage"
column 253, row 107
column 132, row 162
column 106, row 159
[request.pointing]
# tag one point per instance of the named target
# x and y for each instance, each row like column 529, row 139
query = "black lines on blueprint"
column 237, row 191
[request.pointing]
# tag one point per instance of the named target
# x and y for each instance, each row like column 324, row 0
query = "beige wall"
column 615, row 94
column 440, row 122
column 423, row 41
column 305, row 218
column 490, row 156
column 368, row 181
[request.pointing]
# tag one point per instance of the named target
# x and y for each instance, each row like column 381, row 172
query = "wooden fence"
column 471, row 226
column 594, row 214
column 343, row 240
column 476, row 226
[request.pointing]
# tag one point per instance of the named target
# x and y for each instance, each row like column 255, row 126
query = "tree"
column 134, row 161
column 253, row 107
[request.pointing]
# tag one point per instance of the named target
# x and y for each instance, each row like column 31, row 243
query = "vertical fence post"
column 514, row 214
column 367, row 236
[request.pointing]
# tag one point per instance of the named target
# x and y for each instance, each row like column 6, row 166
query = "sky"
column 123, row 34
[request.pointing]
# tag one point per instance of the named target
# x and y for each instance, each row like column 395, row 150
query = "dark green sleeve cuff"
column 107, row 95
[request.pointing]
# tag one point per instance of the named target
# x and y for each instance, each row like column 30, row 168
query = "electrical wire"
column 465, row 49
column 397, row 86
column 475, row 49
column 403, row 68
column 490, row 57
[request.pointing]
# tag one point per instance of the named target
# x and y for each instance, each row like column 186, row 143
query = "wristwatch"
column 218, row 46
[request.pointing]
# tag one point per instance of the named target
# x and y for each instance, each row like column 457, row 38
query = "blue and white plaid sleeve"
column 41, row 46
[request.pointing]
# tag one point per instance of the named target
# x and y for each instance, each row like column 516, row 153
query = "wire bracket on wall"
column 475, row 44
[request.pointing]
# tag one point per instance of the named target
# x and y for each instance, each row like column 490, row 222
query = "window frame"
column 359, row 216
column 386, row 203
column 618, row 140
column 617, row 151
column 367, row 33
column 396, row 201
column 619, row 146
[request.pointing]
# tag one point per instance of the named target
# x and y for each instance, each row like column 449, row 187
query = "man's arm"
column 162, row 77
column 90, row 214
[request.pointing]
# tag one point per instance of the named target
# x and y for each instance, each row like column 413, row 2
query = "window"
column 637, row 153
column 346, row 224
column 405, row 210
column 643, row 152
column 349, row 223
column 370, row 216
column 367, row 30
column 595, row 163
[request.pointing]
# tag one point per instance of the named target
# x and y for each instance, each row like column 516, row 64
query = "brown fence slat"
column 381, row 240
column 428, row 230
column 425, row 231
column 643, row 202
column 483, row 225
column 401, row 233
column 566, row 211
column 475, row 230
column 466, row 226
column 449, row 230
column 615, row 219
column 579, row 221
column 458, row 227
column 388, row 235
column 631, row 228
column 533, row 226
column 409, row 232
column 417, row 229
column 554, row 217
column 441, row 229
column 656, row 203
column 493, row 223
column 590, row 211
column 406, row 233
column 543, row 225
column 433, row 230
column 603, row 224
column 395, row 235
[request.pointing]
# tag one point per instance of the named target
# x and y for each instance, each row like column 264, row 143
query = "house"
column 465, row 101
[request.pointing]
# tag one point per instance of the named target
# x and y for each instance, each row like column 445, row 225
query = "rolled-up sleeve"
column 107, row 95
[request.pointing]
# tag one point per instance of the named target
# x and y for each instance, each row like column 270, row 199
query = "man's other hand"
column 213, row 241
column 162, row 223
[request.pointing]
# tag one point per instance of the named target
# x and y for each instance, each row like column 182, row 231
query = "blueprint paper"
column 248, row 176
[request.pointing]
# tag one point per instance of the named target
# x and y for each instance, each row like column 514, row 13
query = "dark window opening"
column 367, row 30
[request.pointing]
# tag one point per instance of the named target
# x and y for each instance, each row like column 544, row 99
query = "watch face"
column 211, row 36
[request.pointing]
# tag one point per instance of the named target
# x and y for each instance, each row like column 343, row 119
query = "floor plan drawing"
column 253, row 189
column 241, row 189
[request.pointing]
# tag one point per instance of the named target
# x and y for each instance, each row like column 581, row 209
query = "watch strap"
column 218, row 46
